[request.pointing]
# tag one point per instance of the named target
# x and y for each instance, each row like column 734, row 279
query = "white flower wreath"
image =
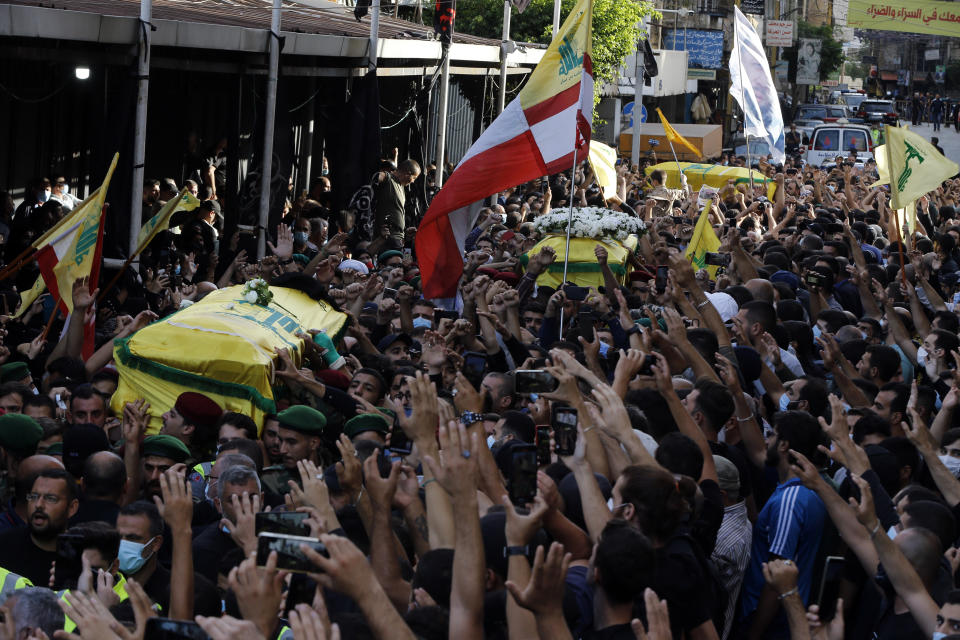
column 257, row 291
column 591, row 222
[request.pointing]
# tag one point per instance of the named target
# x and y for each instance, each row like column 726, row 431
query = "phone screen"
column 534, row 381
column 289, row 555
column 830, row 587
column 523, row 475
column 287, row 523
column 565, row 430
column 661, row 281
column 399, row 442
column 575, row 293
column 543, row 446
column 168, row 629
column 69, row 560
column 585, row 325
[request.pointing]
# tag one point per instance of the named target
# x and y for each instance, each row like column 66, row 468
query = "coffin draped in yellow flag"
column 222, row 347
column 704, row 241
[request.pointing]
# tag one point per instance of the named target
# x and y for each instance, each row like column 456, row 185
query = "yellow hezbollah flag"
column 915, row 166
column 907, row 215
column 184, row 201
column 561, row 68
column 71, row 250
column 30, row 296
column 603, row 159
column 676, row 138
column 704, row 241
column 222, row 347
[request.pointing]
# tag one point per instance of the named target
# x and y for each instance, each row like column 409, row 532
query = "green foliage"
column 615, row 27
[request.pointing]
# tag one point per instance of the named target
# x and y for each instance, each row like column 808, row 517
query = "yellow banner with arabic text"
column 907, row 16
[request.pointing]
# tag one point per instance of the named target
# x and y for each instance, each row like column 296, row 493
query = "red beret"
column 198, row 409
column 334, row 378
column 507, row 276
column 488, row 271
column 641, row 275
column 507, row 236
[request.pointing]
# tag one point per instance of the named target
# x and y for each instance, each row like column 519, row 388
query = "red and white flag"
column 536, row 135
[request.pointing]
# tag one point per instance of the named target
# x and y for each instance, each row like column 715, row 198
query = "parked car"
column 824, row 112
column 806, row 127
column 837, row 139
column 853, row 100
column 882, row 111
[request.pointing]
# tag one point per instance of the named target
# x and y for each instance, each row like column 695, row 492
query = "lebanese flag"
column 536, row 135
column 73, row 249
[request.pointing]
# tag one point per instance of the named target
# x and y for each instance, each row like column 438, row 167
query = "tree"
column 615, row 28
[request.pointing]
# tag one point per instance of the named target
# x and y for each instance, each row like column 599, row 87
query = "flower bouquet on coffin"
column 257, row 291
column 618, row 232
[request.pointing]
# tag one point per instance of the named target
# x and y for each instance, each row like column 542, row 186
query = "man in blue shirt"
column 789, row 526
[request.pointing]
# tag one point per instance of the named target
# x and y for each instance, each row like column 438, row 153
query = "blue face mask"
column 422, row 322
column 604, row 348
column 300, row 237
column 816, row 331
column 408, row 411
column 131, row 556
column 784, row 402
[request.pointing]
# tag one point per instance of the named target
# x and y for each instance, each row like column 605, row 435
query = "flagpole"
column 746, row 136
column 679, row 170
column 566, row 252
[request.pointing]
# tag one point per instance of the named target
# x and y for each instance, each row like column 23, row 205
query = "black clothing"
column 213, row 551
column 614, row 632
column 19, row 554
column 206, row 599
column 96, row 511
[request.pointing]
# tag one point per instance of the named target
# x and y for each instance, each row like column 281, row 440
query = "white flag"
column 752, row 87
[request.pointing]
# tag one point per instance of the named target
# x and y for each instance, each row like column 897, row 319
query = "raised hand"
column 82, row 297
column 284, row 247
column 544, row 592
column 259, row 591
column 456, row 471
column 658, row 619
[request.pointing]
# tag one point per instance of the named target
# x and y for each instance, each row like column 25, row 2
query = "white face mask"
column 921, row 356
column 952, row 464
column 491, row 441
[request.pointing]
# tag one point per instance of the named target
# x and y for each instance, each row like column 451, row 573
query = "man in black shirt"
column 50, row 504
column 141, row 536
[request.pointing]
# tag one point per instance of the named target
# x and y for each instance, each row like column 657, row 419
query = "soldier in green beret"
column 367, row 426
column 159, row 453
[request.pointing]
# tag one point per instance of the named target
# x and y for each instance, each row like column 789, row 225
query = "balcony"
column 714, row 8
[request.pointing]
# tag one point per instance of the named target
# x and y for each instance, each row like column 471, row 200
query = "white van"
column 837, row 139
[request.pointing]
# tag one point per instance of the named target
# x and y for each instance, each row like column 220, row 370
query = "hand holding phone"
column 564, row 422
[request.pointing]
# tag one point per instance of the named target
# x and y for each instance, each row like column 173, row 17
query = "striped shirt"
column 732, row 555
column 789, row 526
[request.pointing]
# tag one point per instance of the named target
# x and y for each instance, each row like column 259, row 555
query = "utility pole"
column 269, row 119
column 140, row 126
column 638, row 97
column 502, row 93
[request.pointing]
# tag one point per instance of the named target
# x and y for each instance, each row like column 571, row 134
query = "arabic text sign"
column 909, row 16
column 705, row 47
column 779, row 33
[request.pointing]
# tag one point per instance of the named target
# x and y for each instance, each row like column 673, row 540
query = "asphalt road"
column 949, row 139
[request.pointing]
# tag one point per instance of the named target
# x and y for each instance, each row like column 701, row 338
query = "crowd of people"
column 765, row 450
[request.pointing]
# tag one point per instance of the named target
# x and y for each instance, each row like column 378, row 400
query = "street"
column 949, row 138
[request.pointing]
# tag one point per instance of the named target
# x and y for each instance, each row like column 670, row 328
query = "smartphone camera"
column 523, row 474
column 565, row 430
column 717, row 259
column 534, row 381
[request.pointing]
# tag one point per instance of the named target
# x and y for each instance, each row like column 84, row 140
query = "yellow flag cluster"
column 704, row 241
column 603, row 159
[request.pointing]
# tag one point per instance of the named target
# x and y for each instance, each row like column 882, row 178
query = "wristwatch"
column 470, row 417
column 516, row 551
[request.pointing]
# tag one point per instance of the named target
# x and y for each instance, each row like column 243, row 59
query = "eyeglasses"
column 49, row 498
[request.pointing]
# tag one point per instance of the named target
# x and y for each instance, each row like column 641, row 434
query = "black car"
column 882, row 111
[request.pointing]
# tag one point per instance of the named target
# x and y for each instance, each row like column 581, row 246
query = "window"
column 813, row 113
column 854, row 140
column 828, row 140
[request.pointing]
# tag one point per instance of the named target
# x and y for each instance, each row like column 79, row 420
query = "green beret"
column 389, row 412
column 302, row 419
column 366, row 422
column 415, row 282
column 55, row 449
column 386, row 255
column 20, row 434
column 165, row 446
column 14, row 372
column 300, row 258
